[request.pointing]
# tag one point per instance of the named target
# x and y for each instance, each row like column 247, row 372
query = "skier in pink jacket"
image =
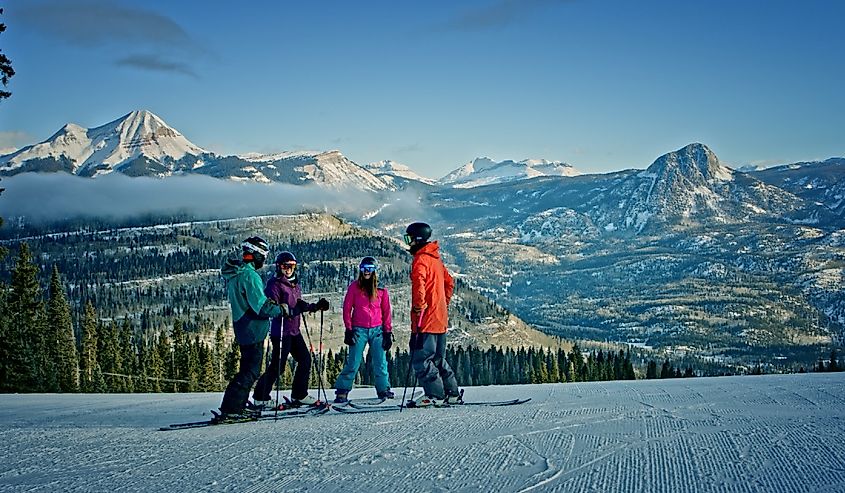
column 367, row 319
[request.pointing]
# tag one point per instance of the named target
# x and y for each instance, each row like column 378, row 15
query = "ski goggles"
column 368, row 268
column 408, row 239
column 287, row 265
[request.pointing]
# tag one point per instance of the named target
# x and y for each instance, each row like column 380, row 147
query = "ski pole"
column 278, row 377
column 410, row 362
column 313, row 356
column 322, row 363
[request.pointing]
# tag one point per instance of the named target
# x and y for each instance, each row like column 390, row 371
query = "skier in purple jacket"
column 286, row 336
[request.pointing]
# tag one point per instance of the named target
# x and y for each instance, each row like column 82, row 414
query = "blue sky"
column 603, row 85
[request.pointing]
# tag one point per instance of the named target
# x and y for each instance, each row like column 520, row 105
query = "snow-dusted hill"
column 816, row 181
column 485, row 171
column 731, row 434
column 329, row 169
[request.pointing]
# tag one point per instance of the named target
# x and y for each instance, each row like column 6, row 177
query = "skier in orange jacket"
column 431, row 291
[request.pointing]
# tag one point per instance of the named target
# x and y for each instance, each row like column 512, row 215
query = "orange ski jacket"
column 431, row 291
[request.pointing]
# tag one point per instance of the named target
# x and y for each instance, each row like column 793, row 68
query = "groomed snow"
column 748, row 434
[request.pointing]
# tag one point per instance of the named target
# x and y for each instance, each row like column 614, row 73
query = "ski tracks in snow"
column 734, row 434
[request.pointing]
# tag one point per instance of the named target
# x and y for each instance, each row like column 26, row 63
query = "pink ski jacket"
column 360, row 311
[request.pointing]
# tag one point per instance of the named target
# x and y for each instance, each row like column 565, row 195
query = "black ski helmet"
column 419, row 232
column 257, row 247
column 284, row 257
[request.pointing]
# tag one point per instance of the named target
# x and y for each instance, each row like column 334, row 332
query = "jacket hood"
column 233, row 267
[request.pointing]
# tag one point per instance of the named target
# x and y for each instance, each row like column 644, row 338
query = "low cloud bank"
column 50, row 197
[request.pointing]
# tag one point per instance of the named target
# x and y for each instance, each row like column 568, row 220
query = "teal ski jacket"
column 251, row 309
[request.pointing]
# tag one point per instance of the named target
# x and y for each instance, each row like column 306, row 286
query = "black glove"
column 349, row 337
column 285, row 309
column 416, row 341
column 323, row 304
column 386, row 340
column 302, row 306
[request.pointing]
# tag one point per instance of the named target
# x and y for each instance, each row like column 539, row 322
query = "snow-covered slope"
column 751, row 434
column 129, row 144
column 485, row 171
column 816, row 181
column 329, row 169
column 388, row 168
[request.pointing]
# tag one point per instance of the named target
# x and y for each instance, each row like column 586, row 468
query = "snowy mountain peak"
column 485, row 171
column 143, row 133
column 695, row 161
column 395, row 169
column 71, row 128
column 139, row 143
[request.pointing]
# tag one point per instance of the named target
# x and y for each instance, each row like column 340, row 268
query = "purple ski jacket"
column 280, row 290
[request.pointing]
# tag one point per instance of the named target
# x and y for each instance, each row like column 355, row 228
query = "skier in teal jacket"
column 251, row 314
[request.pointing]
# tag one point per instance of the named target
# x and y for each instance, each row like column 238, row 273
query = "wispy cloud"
column 499, row 14
column 100, row 25
column 156, row 63
column 408, row 149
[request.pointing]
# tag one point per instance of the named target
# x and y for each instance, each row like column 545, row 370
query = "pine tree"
column 109, row 357
column 165, row 356
column 181, row 356
column 88, row 353
column 208, row 381
column 486, row 368
column 155, row 367
column 540, row 370
column 219, row 355
column 651, row 370
column 577, row 360
column 233, row 357
column 128, row 356
column 5, row 337
column 527, row 367
column 6, row 70
column 553, row 369
column 666, row 370
column 590, row 368
column 58, row 314
column 628, row 373
column 24, row 354
column 562, row 364
column 142, row 382
column 193, row 370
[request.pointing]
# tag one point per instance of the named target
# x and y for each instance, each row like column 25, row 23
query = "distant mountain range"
column 142, row 144
column 485, row 171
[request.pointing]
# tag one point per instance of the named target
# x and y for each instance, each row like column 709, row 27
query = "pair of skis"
column 352, row 407
column 372, row 402
column 268, row 416
column 361, row 409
